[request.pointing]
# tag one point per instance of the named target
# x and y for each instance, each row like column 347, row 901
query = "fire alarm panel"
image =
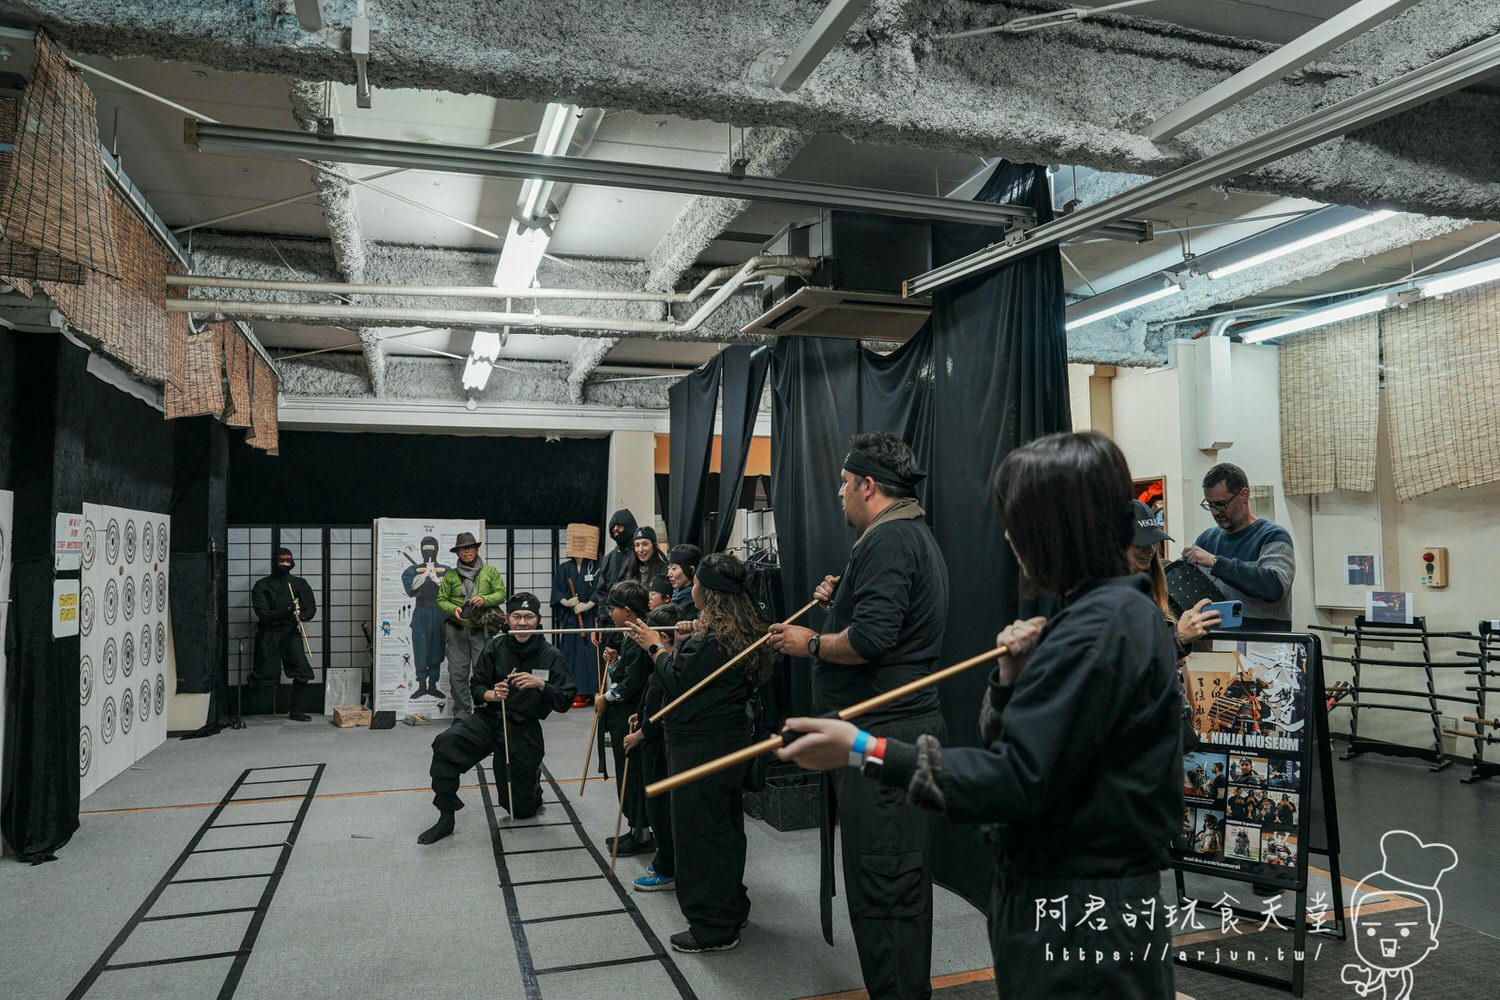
column 1434, row 567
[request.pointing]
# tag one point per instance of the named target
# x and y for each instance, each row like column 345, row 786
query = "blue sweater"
column 1255, row 566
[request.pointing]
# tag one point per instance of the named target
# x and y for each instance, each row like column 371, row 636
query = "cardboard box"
column 351, row 715
column 582, row 542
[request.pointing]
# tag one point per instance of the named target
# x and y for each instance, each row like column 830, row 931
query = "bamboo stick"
column 510, row 799
column 754, row 750
column 614, row 847
column 729, row 663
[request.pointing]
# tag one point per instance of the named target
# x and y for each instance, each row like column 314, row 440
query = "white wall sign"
column 411, row 670
column 70, row 540
column 123, row 622
column 64, row 608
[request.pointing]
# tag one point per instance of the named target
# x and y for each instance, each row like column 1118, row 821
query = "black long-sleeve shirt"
column 1086, row 772
column 502, row 656
column 271, row 600
column 893, row 599
column 628, row 676
column 719, row 707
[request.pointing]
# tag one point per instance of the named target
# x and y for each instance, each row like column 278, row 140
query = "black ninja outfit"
column 475, row 737
column 654, row 765
column 893, row 598
column 278, row 640
column 427, row 620
column 627, row 679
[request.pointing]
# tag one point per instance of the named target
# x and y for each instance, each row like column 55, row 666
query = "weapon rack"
column 1414, row 657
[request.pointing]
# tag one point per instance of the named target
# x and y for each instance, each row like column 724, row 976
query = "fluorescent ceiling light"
column 1468, row 278
column 1139, row 300
column 1317, row 317
column 1289, row 248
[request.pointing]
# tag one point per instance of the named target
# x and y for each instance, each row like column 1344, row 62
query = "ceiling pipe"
column 763, row 265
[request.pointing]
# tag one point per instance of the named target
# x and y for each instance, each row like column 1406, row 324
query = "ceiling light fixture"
column 1455, row 281
column 1353, row 225
column 1317, row 317
column 1159, row 293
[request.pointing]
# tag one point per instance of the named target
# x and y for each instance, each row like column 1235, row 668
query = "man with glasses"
column 1249, row 558
column 524, row 676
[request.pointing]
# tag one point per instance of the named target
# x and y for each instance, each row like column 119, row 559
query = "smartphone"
column 1231, row 613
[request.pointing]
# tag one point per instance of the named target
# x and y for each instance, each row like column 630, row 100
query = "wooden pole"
column 588, row 751
column 510, row 800
column 565, row 631
column 754, row 750
column 297, row 614
column 614, row 847
column 731, row 662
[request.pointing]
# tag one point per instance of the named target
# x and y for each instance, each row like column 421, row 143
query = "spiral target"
column 110, row 661
column 111, row 601
column 144, row 649
column 161, row 592
column 127, row 654
column 161, row 693
column 85, row 679
column 161, row 642
column 148, row 595
column 86, row 610
column 148, row 544
column 161, row 541
column 129, row 598
column 90, row 544
column 127, row 710
column 107, row 720
column 130, row 540
column 112, row 541
column 85, row 749
column 144, row 705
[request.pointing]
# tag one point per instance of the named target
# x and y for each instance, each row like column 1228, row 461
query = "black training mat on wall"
column 987, row 374
column 325, row 477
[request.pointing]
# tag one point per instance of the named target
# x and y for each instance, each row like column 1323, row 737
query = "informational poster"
column 1245, row 786
column 411, row 670
column 123, row 622
column 7, row 517
column 1389, row 607
column 64, row 608
column 69, row 548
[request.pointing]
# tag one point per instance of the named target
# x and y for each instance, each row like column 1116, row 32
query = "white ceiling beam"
column 825, row 33
column 1292, row 56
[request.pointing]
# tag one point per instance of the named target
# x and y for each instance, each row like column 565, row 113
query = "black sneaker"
column 686, row 943
column 629, row 846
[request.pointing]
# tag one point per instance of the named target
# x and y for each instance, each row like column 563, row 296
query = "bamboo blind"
column 201, row 376
column 237, row 354
column 54, row 214
column 9, row 111
column 264, row 387
column 1442, row 370
column 1330, row 408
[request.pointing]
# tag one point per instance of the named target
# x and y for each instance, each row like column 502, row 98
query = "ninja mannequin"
column 422, row 581
column 278, row 601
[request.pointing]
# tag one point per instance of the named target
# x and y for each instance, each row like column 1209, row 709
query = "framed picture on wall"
column 1152, row 491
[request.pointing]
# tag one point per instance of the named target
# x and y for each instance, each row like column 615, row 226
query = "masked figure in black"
column 422, row 581
column 279, row 600
column 524, row 676
column 618, row 556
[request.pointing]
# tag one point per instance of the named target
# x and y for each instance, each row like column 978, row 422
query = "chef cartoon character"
column 1391, row 943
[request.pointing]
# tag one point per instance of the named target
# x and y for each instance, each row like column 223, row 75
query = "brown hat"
column 465, row 541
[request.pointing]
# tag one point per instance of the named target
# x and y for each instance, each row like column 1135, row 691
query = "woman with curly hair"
column 708, row 824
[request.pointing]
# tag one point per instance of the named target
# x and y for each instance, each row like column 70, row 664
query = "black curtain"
column 985, row 375
column 744, row 382
column 695, row 401
column 198, row 588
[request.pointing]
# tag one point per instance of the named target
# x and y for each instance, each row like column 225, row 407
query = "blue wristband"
column 862, row 741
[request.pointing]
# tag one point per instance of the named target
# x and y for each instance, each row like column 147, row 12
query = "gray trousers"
column 463, row 646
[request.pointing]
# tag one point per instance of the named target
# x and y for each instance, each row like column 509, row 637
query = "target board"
column 123, row 625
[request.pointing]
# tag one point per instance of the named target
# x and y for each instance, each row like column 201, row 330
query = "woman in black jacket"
column 708, row 823
column 1081, row 763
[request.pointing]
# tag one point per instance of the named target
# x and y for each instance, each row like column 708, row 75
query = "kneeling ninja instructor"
column 523, row 676
column 279, row 600
column 889, row 611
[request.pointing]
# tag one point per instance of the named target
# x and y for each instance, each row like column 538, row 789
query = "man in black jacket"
column 525, row 677
column 618, row 703
column 889, row 610
column 279, row 601
column 617, row 561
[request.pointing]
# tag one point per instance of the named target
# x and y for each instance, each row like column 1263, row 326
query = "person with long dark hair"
column 708, row 822
column 1144, row 556
column 1082, row 758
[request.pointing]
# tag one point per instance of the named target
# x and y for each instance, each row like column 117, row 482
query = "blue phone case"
column 1231, row 613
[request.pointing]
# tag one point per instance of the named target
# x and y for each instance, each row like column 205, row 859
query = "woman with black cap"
column 708, row 822
column 682, row 564
column 1145, row 557
column 648, row 562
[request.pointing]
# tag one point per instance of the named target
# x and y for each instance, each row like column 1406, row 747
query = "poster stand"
column 1231, row 728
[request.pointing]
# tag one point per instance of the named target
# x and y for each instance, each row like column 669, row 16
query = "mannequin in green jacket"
column 467, row 589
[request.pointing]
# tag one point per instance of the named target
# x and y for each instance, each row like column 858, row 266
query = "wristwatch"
column 813, row 644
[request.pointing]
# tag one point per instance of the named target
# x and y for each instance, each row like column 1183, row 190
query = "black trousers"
column 475, row 737
column 708, row 835
column 278, row 649
column 887, row 881
column 616, row 722
column 653, row 765
column 1043, row 946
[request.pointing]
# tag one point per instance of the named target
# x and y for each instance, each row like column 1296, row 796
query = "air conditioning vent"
column 837, row 312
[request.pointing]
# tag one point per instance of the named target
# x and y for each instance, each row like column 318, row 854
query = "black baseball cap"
column 1147, row 531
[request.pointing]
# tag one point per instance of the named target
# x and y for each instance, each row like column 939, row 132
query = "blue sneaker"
column 652, row 882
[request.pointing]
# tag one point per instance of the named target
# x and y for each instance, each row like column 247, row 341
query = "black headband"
column 712, row 579
column 523, row 602
column 863, row 464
